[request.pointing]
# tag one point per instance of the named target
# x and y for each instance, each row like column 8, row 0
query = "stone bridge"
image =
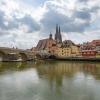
column 11, row 54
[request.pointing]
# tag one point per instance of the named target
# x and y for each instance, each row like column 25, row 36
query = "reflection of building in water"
column 92, row 69
column 57, row 72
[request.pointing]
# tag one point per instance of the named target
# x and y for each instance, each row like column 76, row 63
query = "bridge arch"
column 23, row 56
column 2, row 55
column 38, row 56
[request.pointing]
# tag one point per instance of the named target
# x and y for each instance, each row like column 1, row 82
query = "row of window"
column 88, row 53
column 64, row 54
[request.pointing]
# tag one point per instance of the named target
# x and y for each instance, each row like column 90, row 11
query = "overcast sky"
column 24, row 22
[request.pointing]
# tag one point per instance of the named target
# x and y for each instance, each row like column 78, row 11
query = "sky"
column 24, row 22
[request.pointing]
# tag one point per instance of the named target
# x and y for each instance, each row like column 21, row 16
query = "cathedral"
column 56, row 46
column 50, row 42
column 67, row 48
column 58, row 37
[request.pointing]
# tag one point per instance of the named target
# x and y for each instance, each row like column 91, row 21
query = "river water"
column 52, row 80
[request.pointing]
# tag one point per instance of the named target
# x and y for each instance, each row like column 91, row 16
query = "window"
column 49, row 51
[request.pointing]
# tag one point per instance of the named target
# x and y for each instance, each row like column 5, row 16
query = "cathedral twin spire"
column 58, row 36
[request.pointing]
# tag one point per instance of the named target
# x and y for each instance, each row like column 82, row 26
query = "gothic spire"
column 58, row 36
column 56, row 32
column 56, row 28
column 59, row 30
column 50, row 36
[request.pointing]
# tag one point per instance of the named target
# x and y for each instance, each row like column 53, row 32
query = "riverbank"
column 59, row 59
column 73, row 59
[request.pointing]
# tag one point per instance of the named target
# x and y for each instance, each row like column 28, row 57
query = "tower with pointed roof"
column 58, row 36
column 50, row 36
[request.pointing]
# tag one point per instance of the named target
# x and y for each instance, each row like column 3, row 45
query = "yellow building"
column 75, row 51
column 63, row 52
column 72, row 51
column 68, row 49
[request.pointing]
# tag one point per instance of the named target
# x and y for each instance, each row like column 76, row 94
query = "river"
column 51, row 80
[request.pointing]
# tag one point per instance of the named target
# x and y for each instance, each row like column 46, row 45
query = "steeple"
column 56, row 32
column 59, row 30
column 58, row 36
column 50, row 36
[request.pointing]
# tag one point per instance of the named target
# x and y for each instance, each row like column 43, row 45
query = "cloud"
column 77, row 18
column 2, row 20
column 85, row 1
column 34, row 3
column 30, row 22
column 15, row 23
column 68, row 24
column 82, row 15
column 2, row 33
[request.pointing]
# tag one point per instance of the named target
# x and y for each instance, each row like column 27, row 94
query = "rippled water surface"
column 50, row 80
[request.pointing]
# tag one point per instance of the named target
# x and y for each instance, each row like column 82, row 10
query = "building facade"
column 75, row 51
column 56, row 47
column 63, row 52
column 88, row 50
column 68, row 49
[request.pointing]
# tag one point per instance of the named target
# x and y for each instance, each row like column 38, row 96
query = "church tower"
column 50, row 36
column 58, row 36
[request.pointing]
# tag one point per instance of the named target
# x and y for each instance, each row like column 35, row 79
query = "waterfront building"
column 96, row 43
column 57, row 47
column 89, row 53
column 46, row 45
column 91, row 49
column 63, row 52
column 88, row 50
column 97, row 47
column 68, row 49
column 75, row 51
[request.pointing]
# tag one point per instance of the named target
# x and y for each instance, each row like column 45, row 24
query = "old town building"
column 46, row 45
column 68, row 49
column 75, row 51
column 96, row 43
column 88, row 50
column 91, row 49
column 63, row 52
column 58, row 47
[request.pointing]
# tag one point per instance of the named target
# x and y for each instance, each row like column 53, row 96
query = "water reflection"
column 56, row 70
column 50, row 80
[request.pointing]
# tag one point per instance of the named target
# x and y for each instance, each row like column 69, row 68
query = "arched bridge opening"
column 2, row 56
column 39, row 56
column 23, row 56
